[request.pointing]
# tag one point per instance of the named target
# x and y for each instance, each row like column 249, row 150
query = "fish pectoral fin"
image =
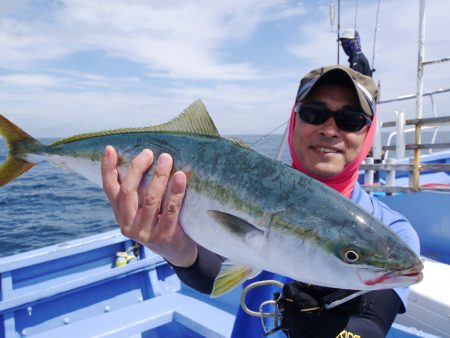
column 235, row 224
column 230, row 276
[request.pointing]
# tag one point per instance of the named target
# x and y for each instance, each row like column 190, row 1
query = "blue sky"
column 72, row 66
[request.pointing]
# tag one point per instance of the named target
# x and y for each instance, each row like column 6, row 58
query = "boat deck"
column 73, row 289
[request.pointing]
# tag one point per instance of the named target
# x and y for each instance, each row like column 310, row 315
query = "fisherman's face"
column 324, row 149
column 348, row 46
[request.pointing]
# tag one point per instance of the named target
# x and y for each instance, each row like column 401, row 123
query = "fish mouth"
column 394, row 278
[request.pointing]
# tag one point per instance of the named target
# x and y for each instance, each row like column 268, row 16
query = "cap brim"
column 340, row 75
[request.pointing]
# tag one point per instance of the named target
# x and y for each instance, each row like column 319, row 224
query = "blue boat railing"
column 390, row 169
column 73, row 289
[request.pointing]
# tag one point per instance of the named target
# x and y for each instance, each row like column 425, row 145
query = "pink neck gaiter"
column 345, row 180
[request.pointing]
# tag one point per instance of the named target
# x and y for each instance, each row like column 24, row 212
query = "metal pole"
column 390, row 174
column 419, row 98
column 400, row 136
column 375, row 37
column 435, row 131
column 356, row 14
column 369, row 174
column 413, row 96
column 338, row 28
column 377, row 141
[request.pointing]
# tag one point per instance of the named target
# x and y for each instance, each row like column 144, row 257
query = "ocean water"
column 48, row 205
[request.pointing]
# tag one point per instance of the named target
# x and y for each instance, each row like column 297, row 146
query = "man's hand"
column 141, row 212
column 303, row 316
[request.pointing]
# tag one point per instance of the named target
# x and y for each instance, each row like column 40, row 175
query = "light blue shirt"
column 248, row 326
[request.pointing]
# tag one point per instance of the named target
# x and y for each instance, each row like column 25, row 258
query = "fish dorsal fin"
column 240, row 142
column 194, row 119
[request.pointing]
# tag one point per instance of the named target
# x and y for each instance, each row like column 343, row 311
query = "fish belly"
column 205, row 231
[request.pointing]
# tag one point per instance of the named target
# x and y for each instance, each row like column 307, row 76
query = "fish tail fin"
column 18, row 142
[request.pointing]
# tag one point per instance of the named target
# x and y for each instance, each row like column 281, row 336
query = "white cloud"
column 235, row 109
column 23, row 45
column 182, row 50
column 30, row 80
column 182, row 39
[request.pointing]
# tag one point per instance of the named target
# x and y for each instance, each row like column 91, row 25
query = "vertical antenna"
column 332, row 15
column 375, row 37
column 356, row 14
column 338, row 29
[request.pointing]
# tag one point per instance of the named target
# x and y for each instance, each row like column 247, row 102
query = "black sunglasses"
column 346, row 119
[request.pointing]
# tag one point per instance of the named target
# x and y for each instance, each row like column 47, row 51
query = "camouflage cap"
column 364, row 86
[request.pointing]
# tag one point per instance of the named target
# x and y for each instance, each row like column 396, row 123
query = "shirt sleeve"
column 405, row 231
column 398, row 223
column 203, row 272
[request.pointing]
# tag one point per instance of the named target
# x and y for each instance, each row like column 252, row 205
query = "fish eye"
column 350, row 255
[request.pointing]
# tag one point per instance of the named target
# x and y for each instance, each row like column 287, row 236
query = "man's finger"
column 174, row 201
column 153, row 197
column 128, row 197
column 110, row 175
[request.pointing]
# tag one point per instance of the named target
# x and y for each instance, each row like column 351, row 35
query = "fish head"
column 350, row 252
column 382, row 261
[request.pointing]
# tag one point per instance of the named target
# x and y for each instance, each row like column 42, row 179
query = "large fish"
column 257, row 212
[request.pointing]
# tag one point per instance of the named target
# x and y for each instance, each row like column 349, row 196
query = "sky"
column 75, row 66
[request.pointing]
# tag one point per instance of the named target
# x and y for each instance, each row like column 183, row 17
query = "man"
column 331, row 131
column 351, row 44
